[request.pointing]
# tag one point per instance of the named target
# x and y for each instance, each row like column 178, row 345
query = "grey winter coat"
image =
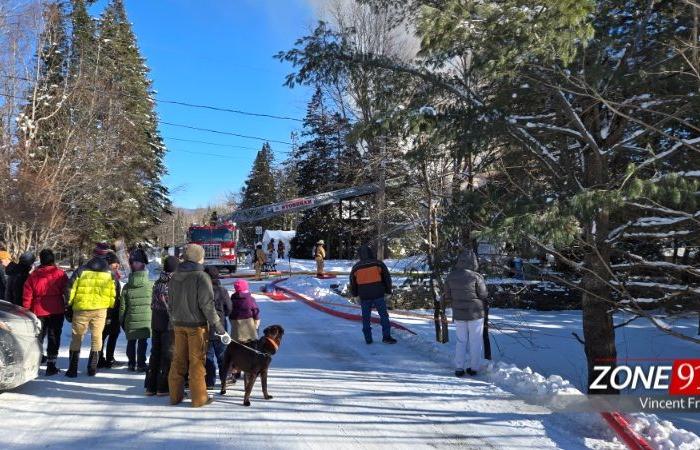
column 465, row 289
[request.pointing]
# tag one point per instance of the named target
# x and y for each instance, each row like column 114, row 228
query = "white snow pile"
column 314, row 288
column 662, row 434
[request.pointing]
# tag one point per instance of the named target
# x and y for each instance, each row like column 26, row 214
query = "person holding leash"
column 191, row 308
column 465, row 290
column 371, row 282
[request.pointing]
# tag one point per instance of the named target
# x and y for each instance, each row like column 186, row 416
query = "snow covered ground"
column 535, row 350
column 344, row 266
column 329, row 388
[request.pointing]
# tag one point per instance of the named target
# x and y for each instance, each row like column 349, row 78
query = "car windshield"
column 219, row 235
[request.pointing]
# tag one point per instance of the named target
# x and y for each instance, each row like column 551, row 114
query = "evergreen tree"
column 137, row 196
column 324, row 162
column 260, row 190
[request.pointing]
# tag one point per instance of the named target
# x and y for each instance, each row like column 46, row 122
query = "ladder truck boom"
column 304, row 203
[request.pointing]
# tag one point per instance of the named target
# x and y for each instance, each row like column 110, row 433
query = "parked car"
column 20, row 352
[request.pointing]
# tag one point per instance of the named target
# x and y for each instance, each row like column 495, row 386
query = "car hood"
column 18, row 321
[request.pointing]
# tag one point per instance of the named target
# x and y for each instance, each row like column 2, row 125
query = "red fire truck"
column 219, row 242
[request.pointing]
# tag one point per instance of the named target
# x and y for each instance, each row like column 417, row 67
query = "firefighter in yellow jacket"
column 91, row 291
column 319, row 256
column 260, row 260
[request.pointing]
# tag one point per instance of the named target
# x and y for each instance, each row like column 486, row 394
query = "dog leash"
column 254, row 349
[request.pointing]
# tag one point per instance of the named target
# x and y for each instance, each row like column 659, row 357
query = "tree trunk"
column 598, row 327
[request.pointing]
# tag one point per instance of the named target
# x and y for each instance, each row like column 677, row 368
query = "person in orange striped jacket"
column 371, row 282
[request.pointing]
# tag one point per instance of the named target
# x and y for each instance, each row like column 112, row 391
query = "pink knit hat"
column 241, row 286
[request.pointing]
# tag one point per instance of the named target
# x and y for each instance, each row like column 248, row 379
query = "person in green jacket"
column 135, row 311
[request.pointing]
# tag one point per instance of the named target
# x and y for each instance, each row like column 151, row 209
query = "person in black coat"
column 161, row 332
column 110, row 334
column 222, row 303
column 370, row 281
column 17, row 274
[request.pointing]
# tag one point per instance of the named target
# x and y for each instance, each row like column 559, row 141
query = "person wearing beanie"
column 90, row 293
column 135, row 311
column 215, row 352
column 191, row 310
column 101, row 249
column 112, row 329
column 5, row 260
column 370, row 281
column 17, row 274
column 43, row 295
column 161, row 332
column 245, row 314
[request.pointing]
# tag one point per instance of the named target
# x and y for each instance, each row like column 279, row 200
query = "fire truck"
column 219, row 242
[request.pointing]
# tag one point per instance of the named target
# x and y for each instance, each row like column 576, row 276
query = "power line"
column 227, row 133
column 202, row 153
column 187, row 104
column 194, row 141
column 235, row 111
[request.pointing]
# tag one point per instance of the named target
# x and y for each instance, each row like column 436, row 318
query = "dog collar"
column 275, row 345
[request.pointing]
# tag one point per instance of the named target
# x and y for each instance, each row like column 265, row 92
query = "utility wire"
column 203, row 153
column 182, row 103
column 235, row 111
column 227, row 133
column 194, row 141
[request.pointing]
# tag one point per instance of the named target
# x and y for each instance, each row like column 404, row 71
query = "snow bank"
column 662, row 434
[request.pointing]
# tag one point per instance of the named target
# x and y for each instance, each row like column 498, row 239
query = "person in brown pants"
column 191, row 306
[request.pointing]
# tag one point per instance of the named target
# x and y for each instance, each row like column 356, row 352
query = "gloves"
column 225, row 338
column 68, row 314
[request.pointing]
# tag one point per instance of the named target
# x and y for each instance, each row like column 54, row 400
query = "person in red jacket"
column 43, row 295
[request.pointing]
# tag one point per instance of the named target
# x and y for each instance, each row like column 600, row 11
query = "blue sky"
column 219, row 53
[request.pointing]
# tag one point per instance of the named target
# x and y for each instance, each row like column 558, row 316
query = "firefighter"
column 260, row 260
column 319, row 256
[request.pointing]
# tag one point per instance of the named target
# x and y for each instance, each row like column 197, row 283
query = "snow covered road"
column 329, row 388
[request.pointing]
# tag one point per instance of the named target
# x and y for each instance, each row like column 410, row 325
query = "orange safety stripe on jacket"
column 368, row 275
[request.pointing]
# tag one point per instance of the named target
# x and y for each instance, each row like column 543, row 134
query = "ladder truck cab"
column 219, row 242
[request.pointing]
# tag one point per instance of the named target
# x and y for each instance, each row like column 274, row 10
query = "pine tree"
column 259, row 190
column 324, row 162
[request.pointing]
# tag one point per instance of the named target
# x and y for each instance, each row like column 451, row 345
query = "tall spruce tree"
column 138, row 196
column 259, row 190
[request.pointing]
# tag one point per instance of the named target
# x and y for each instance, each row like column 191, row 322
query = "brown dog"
column 252, row 362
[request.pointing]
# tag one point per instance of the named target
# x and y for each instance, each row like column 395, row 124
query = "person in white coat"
column 466, row 291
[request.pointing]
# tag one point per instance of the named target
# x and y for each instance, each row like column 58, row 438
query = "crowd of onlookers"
column 185, row 313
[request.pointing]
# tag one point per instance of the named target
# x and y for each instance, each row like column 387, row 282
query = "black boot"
column 92, row 363
column 102, row 362
column 73, row 358
column 51, row 368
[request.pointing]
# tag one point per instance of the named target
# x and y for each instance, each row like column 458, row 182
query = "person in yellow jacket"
column 90, row 292
column 259, row 261
column 319, row 256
